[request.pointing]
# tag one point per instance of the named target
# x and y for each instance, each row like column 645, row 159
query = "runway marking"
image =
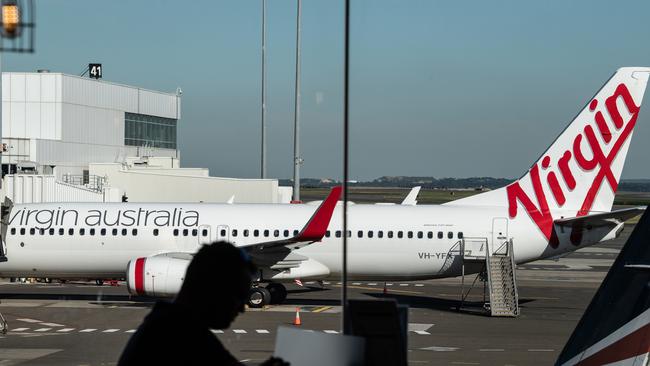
column 403, row 284
column 321, row 309
column 262, row 331
column 331, row 331
column 42, row 329
column 64, row 330
column 419, row 285
column 326, row 283
column 19, row 329
column 52, row 324
column 27, row 320
column 110, row 330
column 89, row 330
column 491, row 350
column 217, row 331
column 440, row 349
column 130, row 331
column 356, row 283
column 372, row 284
column 239, row 331
column 421, row 332
column 541, row 350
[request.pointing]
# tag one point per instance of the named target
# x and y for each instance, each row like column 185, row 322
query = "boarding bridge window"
column 430, row 234
column 276, row 233
column 234, row 232
column 256, row 233
column 380, row 234
column 400, row 234
column 360, row 234
column 286, row 233
column 13, row 231
column 155, row 232
column 82, row 231
column 338, row 233
column 440, row 234
column 32, row 231
column 61, row 231
column 460, row 235
column 102, row 232
column 22, row 231
column 134, row 232
column 92, row 232
column 410, row 235
column 245, row 232
column 420, row 235
column 151, row 131
column 450, row 235
column 370, row 234
column 390, row 234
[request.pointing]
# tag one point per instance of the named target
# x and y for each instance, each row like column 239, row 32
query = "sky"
column 437, row 88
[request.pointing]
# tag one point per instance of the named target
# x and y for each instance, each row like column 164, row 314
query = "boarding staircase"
column 498, row 273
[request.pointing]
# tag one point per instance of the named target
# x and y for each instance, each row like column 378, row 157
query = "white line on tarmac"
column 422, row 332
column 262, row 331
column 130, row 331
column 239, row 331
column 330, row 331
column 52, row 324
column 110, row 330
column 65, row 330
column 217, row 331
column 42, row 329
column 19, row 329
column 89, row 330
column 27, row 320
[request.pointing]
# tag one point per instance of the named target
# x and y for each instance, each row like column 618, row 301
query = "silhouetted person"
column 213, row 293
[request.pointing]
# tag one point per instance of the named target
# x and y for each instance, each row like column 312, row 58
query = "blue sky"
column 462, row 88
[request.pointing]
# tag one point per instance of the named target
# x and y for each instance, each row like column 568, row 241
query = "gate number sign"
column 95, row 71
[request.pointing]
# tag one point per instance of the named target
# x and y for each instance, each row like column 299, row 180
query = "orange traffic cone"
column 297, row 321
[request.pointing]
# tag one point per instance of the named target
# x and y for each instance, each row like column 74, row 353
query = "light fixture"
column 10, row 19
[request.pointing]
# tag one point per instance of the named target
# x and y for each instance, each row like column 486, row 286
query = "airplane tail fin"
column 615, row 328
column 581, row 169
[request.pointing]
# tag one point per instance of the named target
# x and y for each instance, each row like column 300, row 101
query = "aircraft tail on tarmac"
column 615, row 328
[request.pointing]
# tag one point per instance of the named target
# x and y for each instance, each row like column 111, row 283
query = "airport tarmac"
column 84, row 324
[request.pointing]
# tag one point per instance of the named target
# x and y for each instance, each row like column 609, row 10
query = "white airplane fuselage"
column 91, row 240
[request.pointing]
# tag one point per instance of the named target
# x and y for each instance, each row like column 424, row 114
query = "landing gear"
column 273, row 293
column 278, row 292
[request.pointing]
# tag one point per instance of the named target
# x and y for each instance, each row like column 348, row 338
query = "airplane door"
column 223, row 233
column 499, row 233
column 205, row 234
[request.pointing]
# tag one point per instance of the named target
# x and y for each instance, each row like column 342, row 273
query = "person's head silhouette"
column 216, row 284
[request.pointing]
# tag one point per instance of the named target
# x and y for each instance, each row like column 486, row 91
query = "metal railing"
column 93, row 182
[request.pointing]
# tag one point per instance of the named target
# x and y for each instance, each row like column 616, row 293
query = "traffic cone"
column 297, row 321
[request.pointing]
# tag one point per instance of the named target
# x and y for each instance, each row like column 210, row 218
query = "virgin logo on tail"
column 600, row 161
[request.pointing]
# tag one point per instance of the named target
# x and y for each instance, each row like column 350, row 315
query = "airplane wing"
column 313, row 231
column 412, row 198
column 600, row 219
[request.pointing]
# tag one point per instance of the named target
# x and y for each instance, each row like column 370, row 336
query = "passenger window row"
column 360, row 234
column 103, row 232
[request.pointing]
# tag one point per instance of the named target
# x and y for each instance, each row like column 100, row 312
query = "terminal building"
column 70, row 138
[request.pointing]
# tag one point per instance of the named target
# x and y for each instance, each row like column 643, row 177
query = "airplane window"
column 82, row 231
column 327, row 234
column 380, row 234
column 123, row 232
column 223, row 232
column 410, row 234
column 360, row 234
column 390, row 234
column 70, row 231
column 420, row 235
column 266, row 233
column 92, row 231
column 338, row 233
column 370, row 234
column 439, row 234
column 450, row 235
column 296, row 232
column 204, row 232
column 246, row 232
column 32, row 231
column 155, row 232
column 286, row 233
column 13, row 231
column 256, row 233
column 51, row 231
column 460, row 235
column 430, row 234
column 41, row 231
column 102, row 232
column 234, row 232
column 175, row 232
column 134, row 232
column 185, row 232
column 349, row 233
column 400, row 234
column 61, row 231
column 195, row 232
column 22, row 231
column 276, row 233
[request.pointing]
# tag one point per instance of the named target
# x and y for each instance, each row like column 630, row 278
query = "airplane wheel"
column 258, row 297
column 278, row 292
column 99, row 282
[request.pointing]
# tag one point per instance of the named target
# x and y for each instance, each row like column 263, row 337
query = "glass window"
column 70, row 231
column 266, row 233
column 82, row 231
column 370, row 234
column 256, row 233
column 460, row 235
column 13, row 231
column 349, row 233
column 327, row 234
column 450, row 235
column 234, row 232
column 102, row 232
column 134, row 232
column 276, row 233
column 246, row 232
column 390, row 233
column 51, row 231
column 155, row 232
column 61, row 231
column 175, row 232
column 440, row 234
column 114, row 232
column 204, row 232
column 92, row 231
column 380, row 234
column 410, row 234
column 195, row 232
column 360, row 234
column 185, row 232
column 153, row 131
column 286, row 233
column 400, row 234
column 22, row 231
column 338, row 233
column 32, row 231
column 41, row 231
column 430, row 234
column 420, row 235
column 296, row 232
column 124, row 231
column 223, row 232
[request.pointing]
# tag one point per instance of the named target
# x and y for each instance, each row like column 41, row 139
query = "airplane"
column 615, row 328
column 562, row 203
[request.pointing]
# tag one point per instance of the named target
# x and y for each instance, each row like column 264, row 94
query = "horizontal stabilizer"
column 601, row 219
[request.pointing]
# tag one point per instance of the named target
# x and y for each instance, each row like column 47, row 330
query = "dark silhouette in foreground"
column 213, row 293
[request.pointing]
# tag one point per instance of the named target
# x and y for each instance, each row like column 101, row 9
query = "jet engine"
column 159, row 276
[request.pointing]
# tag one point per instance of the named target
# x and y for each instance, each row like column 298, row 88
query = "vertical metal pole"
column 263, row 152
column 344, row 276
column 297, row 161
